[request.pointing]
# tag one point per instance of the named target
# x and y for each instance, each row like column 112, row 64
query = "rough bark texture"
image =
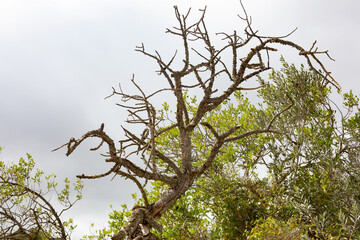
column 180, row 175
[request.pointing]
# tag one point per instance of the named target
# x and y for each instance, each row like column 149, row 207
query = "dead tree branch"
column 179, row 173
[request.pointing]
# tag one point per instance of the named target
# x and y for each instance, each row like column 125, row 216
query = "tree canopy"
column 310, row 189
column 214, row 162
column 200, row 154
column 26, row 209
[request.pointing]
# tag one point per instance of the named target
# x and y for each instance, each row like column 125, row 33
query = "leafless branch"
column 205, row 75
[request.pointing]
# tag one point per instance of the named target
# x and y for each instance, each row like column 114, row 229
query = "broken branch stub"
column 177, row 169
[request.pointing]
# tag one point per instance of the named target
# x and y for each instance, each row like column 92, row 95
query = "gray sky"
column 60, row 58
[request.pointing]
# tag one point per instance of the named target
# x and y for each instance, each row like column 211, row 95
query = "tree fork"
column 179, row 172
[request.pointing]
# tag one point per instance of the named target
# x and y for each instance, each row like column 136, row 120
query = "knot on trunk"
column 139, row 226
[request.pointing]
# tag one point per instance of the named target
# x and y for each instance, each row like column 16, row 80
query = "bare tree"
column 179, row 173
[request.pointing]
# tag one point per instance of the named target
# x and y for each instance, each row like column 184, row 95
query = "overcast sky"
column 60, row 58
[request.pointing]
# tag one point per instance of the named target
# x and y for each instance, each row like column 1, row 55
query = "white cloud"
column 60, row 58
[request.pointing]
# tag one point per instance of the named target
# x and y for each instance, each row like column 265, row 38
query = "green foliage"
column 310, row 166
column 25, row 208
column 117, row 219
column 277, row 229
column 187, row 219
column 314, row 159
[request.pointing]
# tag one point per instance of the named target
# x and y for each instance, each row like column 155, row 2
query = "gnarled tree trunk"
column 179, row 171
